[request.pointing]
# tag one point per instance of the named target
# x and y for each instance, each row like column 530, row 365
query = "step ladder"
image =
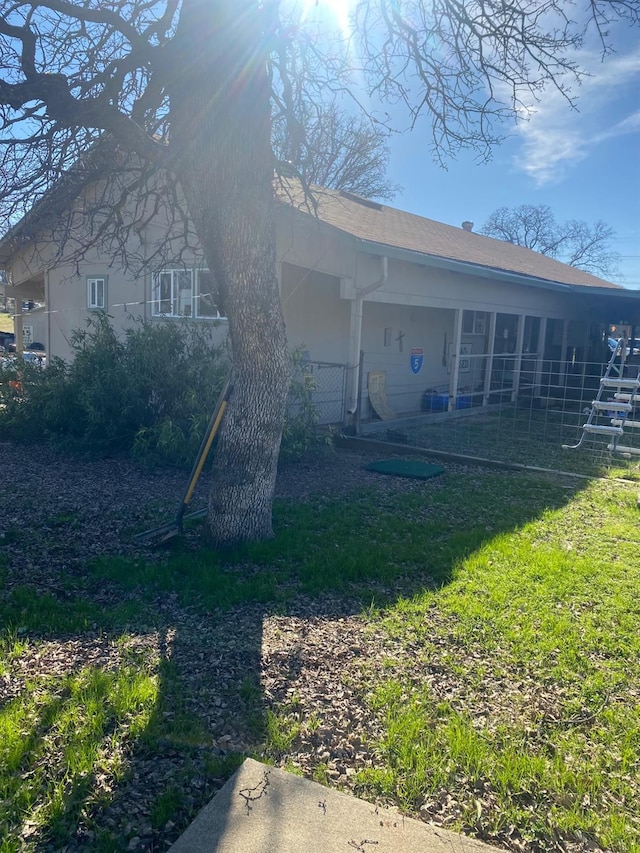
column 618, row 409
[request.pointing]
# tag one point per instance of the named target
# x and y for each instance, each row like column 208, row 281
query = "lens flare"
column 334, row 12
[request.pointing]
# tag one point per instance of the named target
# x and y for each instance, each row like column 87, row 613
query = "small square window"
column 96, row 293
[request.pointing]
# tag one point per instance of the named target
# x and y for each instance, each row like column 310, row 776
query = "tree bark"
column 220, row 146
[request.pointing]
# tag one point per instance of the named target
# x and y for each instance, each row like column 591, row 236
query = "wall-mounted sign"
column 416, row 360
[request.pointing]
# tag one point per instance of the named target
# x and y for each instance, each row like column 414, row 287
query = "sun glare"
column 336, row 10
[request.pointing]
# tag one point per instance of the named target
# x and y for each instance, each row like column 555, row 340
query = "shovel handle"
column 205, row 446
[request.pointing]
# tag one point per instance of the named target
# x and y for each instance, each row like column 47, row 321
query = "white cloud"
column 555, row 137
column 629, row 124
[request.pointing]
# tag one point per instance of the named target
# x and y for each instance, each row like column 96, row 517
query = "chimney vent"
column 467, row 226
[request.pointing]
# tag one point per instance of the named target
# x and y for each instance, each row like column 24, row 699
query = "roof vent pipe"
column 467, row 225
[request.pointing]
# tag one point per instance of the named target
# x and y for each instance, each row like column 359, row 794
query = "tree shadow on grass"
column 226, row 637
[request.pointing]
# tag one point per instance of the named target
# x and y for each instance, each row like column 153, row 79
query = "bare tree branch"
column 335, row 150
column 574, row 242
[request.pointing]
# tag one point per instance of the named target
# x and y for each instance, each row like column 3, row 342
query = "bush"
column 149, row 394
column 301, row 416
column 126, row 395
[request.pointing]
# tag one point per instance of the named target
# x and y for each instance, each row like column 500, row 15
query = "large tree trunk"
column 220, row 139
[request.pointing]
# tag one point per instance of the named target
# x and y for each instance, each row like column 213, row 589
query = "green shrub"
column 301, row 417
column 149, row 393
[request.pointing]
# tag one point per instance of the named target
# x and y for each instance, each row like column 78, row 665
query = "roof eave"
column 479, row 271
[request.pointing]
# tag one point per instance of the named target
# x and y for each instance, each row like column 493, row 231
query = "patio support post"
column 457, row 339
column 518, row 357
column 18, row 324
column 355, row 334
column 585, row 350
column 563, row 353
column 489, row 363
column 542, row 337
column 47, row 308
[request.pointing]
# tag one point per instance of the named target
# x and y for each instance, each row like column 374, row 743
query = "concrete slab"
column 262, row 809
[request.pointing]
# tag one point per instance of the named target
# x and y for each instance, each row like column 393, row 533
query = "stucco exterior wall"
column 66, row 300
column 410, row 284
column 389, row 335
column 316, row 318
column 309, row 243
column 128, row 300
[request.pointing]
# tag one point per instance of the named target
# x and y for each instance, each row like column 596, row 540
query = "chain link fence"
column 328, row 397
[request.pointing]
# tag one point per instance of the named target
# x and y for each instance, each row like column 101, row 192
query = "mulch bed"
column 60, row 511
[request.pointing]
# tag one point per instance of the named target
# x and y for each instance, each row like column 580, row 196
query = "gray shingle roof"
column 390, row 227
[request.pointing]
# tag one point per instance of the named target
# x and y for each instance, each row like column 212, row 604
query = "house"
column 401, row 311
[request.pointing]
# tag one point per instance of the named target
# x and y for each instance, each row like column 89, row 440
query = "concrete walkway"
column 264, row 810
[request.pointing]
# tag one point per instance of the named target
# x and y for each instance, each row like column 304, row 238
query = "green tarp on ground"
column 406, row 468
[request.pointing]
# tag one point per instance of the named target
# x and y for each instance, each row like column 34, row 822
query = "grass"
column 525, row 436
column 27, row 611
column 514, row 698
column 58, row 738
column 6, row 322
column 363, row 547
column 541, row 632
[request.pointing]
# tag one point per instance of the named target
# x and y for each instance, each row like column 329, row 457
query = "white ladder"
column 616, row 409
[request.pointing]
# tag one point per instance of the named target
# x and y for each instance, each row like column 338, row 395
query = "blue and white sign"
column 416, row 360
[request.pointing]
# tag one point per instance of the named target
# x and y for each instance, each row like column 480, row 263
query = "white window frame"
column 173, row 298
column 94, row 302
column 170, row 298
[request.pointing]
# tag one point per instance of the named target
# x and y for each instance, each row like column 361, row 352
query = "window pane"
column 531, row 334
column 183, row 292
column 207, row 295
column 479, row 323
column 162, row 293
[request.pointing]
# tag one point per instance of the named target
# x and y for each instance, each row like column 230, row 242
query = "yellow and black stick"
column 174, row 528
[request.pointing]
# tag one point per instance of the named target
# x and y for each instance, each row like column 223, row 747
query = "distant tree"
column 574, row 242
column 335, row 150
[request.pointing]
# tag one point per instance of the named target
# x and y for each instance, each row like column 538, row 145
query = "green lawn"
column 6, row 322
column 541, row 738
column 513, row 693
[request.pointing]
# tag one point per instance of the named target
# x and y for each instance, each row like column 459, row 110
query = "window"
column 183, row 293
column 173, row 293
column 96, row 292
column 479, row 323
column 474, row 322
column 207, row 300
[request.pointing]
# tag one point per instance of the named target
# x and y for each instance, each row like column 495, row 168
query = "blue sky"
column 583, row 163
